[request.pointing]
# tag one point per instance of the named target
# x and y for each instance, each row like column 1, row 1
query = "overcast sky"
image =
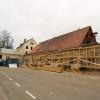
column 44, row 19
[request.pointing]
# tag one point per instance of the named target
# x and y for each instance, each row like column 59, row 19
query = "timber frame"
column 88, row 57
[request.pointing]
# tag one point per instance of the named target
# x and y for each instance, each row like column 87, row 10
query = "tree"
column 6, row 41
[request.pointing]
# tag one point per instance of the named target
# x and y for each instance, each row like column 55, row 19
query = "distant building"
column 27, row 46
column 8, row 53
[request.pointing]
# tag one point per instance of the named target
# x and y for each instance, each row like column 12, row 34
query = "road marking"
column 3, row 72
column 51, row 93
column 18, row 85
column 31, row 95
column 10, row 78
column 6, row 75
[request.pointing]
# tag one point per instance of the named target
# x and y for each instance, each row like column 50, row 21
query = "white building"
column 26, row 46
column 8, row 53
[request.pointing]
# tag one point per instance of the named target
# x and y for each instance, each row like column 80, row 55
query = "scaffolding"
column 74, row 58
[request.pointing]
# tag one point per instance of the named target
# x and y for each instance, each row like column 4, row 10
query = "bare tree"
column 6, row 41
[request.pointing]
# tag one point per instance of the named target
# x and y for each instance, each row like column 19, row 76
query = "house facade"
column 27, row 46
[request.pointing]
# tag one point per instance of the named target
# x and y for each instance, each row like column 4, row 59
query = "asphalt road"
column 27, row 84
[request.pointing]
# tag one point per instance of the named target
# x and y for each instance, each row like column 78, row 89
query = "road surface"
column 27, row 84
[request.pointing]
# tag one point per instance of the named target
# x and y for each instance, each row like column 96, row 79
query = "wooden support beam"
column 86, row 56
column 95, row 55
column 90, row 62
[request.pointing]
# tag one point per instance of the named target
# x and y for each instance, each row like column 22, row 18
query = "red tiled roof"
column 69, row 40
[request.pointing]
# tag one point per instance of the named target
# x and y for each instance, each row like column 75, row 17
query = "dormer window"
column 31, row 43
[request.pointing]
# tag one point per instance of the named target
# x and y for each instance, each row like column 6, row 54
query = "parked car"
column 2, row 62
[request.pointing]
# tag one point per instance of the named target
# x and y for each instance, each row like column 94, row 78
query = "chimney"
column 25, row 40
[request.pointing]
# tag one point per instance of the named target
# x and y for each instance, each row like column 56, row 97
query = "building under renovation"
column 75, row 50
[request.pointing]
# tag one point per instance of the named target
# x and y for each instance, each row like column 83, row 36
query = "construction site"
column 75, row 51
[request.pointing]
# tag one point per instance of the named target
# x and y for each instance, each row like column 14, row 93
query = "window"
column 0, row 56
column 31, row 48
column 26, row 47
column 31, row 43
column 26, row 52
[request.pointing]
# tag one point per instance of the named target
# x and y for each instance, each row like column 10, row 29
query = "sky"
column 45, row 19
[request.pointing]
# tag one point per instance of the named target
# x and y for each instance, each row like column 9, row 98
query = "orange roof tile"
column 68, row 40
